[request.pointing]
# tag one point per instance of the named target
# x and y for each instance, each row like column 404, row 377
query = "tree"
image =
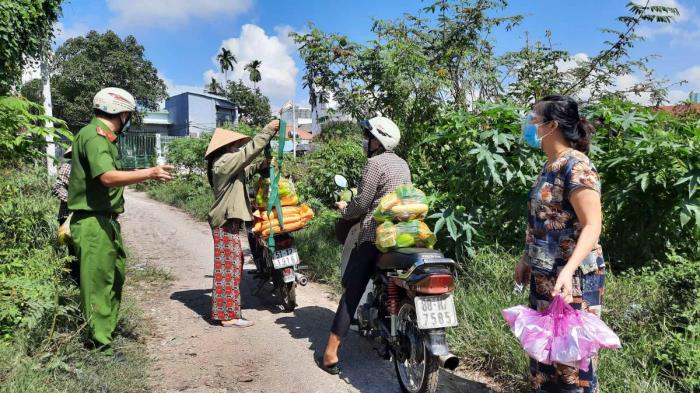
column 23, row 130
column 26, row 31
column 214, row 87
column 253, row 69
column 84, row 65
column 33, row 91
column 253, row 107
column 226, row 61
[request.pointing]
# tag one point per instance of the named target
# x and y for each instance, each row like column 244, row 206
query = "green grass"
column 319, row 250
column 42, row 332
column 63, row 364
column 190, row 193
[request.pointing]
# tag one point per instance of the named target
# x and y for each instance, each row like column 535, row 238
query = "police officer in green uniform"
column 96, row 198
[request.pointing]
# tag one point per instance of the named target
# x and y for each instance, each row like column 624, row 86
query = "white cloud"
column 677, row 96
column 63, row 33
column 572, row 62
column 684, row 13
column 683, row 31
column 692, row 75
column 175, row 88
column 283, row 34
column 172, row 13
column 278, row 68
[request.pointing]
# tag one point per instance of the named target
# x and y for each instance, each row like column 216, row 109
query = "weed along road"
column 275, row 355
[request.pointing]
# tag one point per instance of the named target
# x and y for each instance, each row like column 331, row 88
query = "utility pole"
column 48, row 111
column 294, row 129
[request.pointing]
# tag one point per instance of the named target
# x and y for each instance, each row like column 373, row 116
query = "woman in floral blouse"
column 562, row 254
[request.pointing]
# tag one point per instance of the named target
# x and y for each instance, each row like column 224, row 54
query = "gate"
column 137, row 150
column 143, row 150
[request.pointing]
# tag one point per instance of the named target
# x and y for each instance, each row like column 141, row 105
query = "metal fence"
column 143, row 150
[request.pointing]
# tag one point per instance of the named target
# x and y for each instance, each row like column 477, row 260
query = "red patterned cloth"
column 228, row 266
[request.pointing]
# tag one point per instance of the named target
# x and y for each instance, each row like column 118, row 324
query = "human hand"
column 274, row 124
column 522, row 272
column 564, row 285
column 341, row 205
column 160, row 173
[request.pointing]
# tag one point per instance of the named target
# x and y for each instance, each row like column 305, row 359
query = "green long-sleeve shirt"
column 229, row 174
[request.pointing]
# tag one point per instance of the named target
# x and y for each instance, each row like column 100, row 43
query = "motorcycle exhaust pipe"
column 301, row 279
column 449, row 361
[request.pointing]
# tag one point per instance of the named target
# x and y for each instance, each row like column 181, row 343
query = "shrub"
column 191, row 193
column 318, row 248
column 313, row 174
column 334, row 130
column 31, row 266
column 22, row 131
column 188, row 153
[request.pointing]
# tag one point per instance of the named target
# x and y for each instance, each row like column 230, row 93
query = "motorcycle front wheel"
column 418, row 370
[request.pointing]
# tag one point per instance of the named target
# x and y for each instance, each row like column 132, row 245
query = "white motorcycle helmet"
column 385, row 130
column 114, row 100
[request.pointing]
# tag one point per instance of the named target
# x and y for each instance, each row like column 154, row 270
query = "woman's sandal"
column 331, row 369
column 238, row 323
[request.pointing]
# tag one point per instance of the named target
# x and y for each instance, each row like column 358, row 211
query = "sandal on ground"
column 239, row 323
column 331, row 369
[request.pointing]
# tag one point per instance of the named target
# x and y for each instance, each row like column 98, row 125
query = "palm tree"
column 254, row 69
column 214, row 87
column 226, row 61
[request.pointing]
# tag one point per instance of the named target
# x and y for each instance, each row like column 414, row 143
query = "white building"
column 302, row 115
column 312, row 120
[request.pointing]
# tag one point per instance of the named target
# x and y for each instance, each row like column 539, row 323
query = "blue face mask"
column 530, row 134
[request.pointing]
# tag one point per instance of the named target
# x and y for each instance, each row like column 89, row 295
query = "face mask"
column 126, row 125
column 365, row 146
column 530, row 134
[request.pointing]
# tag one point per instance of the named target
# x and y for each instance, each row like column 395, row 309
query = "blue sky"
column 182, row 37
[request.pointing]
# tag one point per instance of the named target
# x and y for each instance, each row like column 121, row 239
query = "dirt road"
column 276, row 355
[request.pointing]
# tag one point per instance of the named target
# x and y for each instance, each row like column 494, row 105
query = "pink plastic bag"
column 560, row 334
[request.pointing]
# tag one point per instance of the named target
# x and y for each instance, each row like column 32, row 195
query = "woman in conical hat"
column 229, row 157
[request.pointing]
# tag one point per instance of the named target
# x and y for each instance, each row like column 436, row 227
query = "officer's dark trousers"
column 361, row 267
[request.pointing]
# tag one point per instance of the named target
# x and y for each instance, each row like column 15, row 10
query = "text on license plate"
column 285, row 258
column 434, row 312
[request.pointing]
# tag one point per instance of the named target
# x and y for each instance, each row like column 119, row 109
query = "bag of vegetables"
column 287, row 193
column 405, row 234
column 404, row 204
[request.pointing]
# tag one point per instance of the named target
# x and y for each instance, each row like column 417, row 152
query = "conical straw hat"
column 222, row 138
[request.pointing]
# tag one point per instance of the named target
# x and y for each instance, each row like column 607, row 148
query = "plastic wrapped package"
column 286, row 192
column 304, row 211
column 406, row 234
column 406, row 203
column 560, row 334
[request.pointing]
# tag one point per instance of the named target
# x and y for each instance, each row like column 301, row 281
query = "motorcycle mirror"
column 341, row 181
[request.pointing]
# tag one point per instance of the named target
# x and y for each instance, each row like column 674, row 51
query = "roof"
column 679, row 109
column 300, row 133
column 206, row 95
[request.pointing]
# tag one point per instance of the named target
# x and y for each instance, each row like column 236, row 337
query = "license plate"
column 288, row 275
column 434, row 312
column 285, row 258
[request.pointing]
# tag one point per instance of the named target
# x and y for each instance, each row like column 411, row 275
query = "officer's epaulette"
column 106, row 133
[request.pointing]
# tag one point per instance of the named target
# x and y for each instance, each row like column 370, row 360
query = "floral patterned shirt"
column 553, row 227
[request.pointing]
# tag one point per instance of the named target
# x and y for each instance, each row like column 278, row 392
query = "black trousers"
column 359, row 271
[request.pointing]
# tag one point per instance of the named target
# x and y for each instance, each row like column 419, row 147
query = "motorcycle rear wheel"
column 287, row 292
column 418, row 370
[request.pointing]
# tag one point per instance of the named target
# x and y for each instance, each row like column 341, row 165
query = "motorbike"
column 406, row 308
column 282, row 268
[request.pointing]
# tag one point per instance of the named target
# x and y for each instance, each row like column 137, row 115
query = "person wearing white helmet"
column 384, row 172
column 95, row 197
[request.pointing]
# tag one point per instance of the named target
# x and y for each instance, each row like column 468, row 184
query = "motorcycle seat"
column 405, row 258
